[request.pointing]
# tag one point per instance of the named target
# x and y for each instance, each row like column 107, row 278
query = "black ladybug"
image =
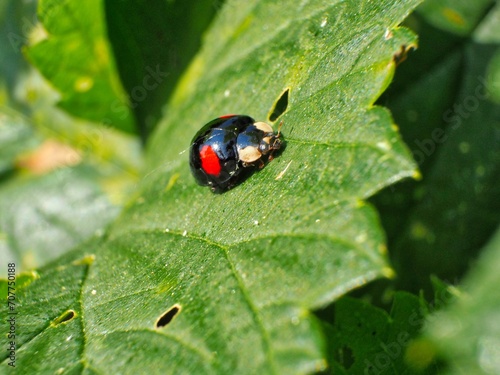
column 224, row 147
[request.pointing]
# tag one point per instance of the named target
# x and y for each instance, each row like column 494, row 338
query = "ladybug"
column 228, row 145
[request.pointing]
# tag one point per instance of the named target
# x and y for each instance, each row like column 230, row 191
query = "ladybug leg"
column 259, row 161
column 277, row 142
column 275, row 146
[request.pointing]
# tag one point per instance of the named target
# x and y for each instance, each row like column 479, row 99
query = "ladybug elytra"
column 224, row 147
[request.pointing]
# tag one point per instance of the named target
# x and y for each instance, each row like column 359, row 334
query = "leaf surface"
column 467, row 332
column 449, row 118
column 367, row 340
column 62, row 179
column 239, row 272
column 153, row 42
column 74, row 55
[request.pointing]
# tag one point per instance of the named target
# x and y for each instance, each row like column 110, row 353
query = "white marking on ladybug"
column 265, row 144
column 249, row 154
column 237, row 141
column 266, row 128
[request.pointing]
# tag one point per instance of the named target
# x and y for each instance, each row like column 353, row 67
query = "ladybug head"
column 271, row 141
column 257, row 141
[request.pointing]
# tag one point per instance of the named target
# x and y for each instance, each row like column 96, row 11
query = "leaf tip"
column 86, row 260
column 83, row 84
column 388, row 272
column 417, row 175
column 172, row 181
column 400, row 55
column 420, row 354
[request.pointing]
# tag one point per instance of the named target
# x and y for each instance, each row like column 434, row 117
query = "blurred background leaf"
column 455, row 16
column 449, row 116
column 63, row 179
column 467, row 333
column 248, row 266
column 367, row 340
column 72, row 51
column 153, row 42
column 242, row 279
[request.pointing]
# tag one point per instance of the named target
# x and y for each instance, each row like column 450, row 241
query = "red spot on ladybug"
column 210, row 161
column 241, row 144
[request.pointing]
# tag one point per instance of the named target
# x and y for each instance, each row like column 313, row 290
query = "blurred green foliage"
column 98, row 101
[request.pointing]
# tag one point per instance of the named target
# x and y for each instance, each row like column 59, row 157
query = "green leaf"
column 45, row 216
column 153, row 41
column 75, row 57
column 45, row 210
column 449, row 118
column 467, row 333
column 37, row 319
column 16, row 136
column 15, row 26
column 488, row 31
column 186, row 281
column 366, row 340
column 459, row 17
